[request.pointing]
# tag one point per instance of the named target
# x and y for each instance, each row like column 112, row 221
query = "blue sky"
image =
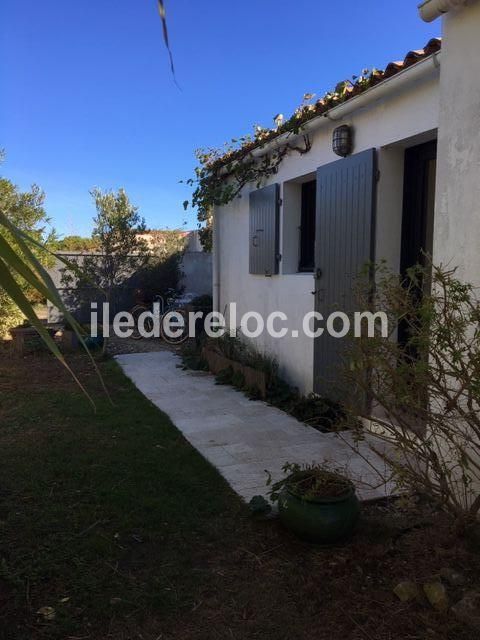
column 87, row 98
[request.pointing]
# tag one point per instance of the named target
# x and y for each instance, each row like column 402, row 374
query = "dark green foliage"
column 252, row 392
column 281, row 394
column 94, row 343
column 121, row 252
column 26, row 211
column 161, row 274
column 322, row 413
column 158, row 277
column 309, row 481
column 203, row 303
column 192, row 357
column 76, row 243
column 225, row 376
column 259, row 506
column 238, row 380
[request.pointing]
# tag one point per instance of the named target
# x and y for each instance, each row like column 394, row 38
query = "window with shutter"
column 264, row 226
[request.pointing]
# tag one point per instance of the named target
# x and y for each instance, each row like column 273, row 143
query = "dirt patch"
column 282, row 589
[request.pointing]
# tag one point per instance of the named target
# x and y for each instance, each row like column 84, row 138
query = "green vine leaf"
column 222, row 173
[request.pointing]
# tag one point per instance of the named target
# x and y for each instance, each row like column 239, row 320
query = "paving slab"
column 241, row 438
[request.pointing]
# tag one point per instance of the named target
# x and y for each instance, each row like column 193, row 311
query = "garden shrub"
column 26, row 211
column 192, row 357
column 225, row 376
column 425, row 386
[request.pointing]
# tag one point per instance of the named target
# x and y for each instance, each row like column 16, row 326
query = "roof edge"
column 369, row 96
column 329, row 103
column 430, row 10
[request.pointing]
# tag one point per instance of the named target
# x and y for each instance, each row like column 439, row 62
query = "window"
column 307, row 226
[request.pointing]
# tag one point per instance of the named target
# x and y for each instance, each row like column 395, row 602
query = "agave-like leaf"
column 14, row 290
column 13, row 260
column 34, row 273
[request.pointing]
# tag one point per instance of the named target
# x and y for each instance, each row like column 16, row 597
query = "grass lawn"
column 115, row 522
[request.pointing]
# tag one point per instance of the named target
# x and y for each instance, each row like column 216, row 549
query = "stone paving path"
column 242, row 438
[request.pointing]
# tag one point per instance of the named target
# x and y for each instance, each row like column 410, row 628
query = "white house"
column 411, row 183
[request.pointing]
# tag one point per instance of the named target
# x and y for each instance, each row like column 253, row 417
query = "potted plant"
column 92, row 342
column 316, row 503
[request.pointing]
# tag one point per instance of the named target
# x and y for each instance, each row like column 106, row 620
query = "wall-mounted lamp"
column 342, row 141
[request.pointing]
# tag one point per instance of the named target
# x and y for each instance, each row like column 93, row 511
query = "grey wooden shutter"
column 344, row 242
column 263, row 236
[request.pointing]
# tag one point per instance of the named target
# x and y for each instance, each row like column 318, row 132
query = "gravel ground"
column 116, row 346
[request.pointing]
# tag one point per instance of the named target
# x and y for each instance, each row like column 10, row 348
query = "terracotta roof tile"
column 392, row 68
column 349, row 90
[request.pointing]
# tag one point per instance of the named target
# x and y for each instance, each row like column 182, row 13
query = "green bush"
column 203, row 303
column 225, row 376
column 10, row 314
column 24, row 210
column 192, row 357
column 238, row 380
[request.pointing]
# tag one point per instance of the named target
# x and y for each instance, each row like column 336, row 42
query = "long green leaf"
column 14, row 290
column 21, row 238
column 47, row 288
column 7, row 253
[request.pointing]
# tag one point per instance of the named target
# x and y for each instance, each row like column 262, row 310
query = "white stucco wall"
column 457, row 214
column 390, row 126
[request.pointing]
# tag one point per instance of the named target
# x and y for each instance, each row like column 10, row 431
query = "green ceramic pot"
column 94, row 342
column 320, row 520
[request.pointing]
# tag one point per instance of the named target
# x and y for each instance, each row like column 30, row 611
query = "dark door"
column 418, row 204
column 307, row 226
column 344, row 243
column 418, row 213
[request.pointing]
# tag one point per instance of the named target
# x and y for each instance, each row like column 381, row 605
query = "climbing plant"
column 218, row 184
column 222, row 173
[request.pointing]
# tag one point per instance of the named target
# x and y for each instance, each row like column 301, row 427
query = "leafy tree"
column 121, row 252
column 25, row 211
column 162, row 273
column 168, row 242
column 117, row 226
column 76, row 243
